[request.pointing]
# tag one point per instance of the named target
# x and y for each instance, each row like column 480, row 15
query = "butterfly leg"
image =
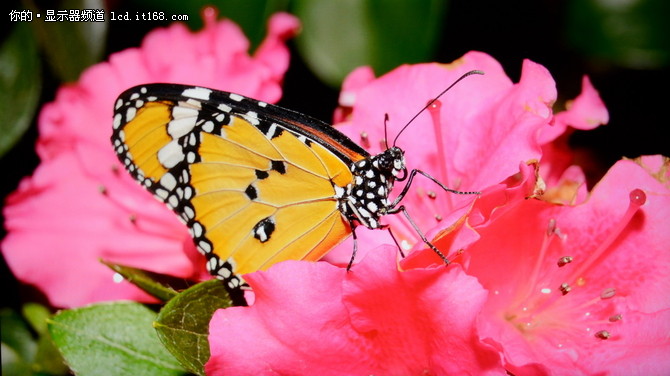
column 402, row 254
column 413, row 173
column 394, row 208
column 402, row 209
column 353, row 253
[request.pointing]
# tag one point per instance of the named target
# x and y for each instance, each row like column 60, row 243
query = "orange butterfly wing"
column 255, row 183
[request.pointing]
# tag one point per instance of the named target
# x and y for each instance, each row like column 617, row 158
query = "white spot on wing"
column 208, row 126
column 191, row 103
column 173, row 201
column 180, row 127
column 339, row 191
column 161, row 193
column 117, row 121
column 224, row 107
column 130, row 113
column 188, row 211
column 168, row 181
column 179, row 112
column 271, row 131
column 197, row 92
column 236, row 97
column 204, row 247
column 225, row 273
column 197, row 229
column 261, row 235
column 170, row 154
column 252, row 118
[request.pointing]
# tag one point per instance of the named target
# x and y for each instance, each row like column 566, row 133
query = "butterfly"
column 255, row 183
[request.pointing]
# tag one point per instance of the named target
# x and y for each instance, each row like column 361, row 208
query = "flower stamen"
column 564, row 288
column 544, row 308
column 615, row 318
column 565, row 260
column 365, row 139
column 546, row 240
column 637, row 199
column 608, row 293
column 603, row 334
column 434, row 111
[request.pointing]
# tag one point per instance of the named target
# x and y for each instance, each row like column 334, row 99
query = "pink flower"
column 581, row 289
column 567, row 183
column 476, row 137
column 603, row 310
column 318, row 319
column 81, row 206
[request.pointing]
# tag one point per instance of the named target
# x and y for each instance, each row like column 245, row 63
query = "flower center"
column 556, row 303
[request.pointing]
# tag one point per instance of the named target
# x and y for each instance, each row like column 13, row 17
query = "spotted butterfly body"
column 255, row 183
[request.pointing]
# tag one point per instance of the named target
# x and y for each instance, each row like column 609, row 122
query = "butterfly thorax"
column 365, row 200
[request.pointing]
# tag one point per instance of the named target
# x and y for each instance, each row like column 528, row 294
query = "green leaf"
column 48, row 359
column 339, row 36
column 112, row 339
column 405, row 31
column 37, row 316
column 12, row 362
column 71, row 46
column 631, row 34
column 147, row 281
column 183, row 324
column 20, row 85
column 16, row 336
column 21, row 353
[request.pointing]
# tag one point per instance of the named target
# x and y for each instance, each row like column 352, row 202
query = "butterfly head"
column 391, row 162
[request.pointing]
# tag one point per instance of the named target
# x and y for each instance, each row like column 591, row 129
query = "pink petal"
column 491, row 203
column 585, row 112
column 657, row 167
column 273, row 53
column 530, row 319
column 55, row 243
column 357, row 79
column 319, row 319
column 639, row 347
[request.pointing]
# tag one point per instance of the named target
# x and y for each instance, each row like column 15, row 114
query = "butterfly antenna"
column 433, row 101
